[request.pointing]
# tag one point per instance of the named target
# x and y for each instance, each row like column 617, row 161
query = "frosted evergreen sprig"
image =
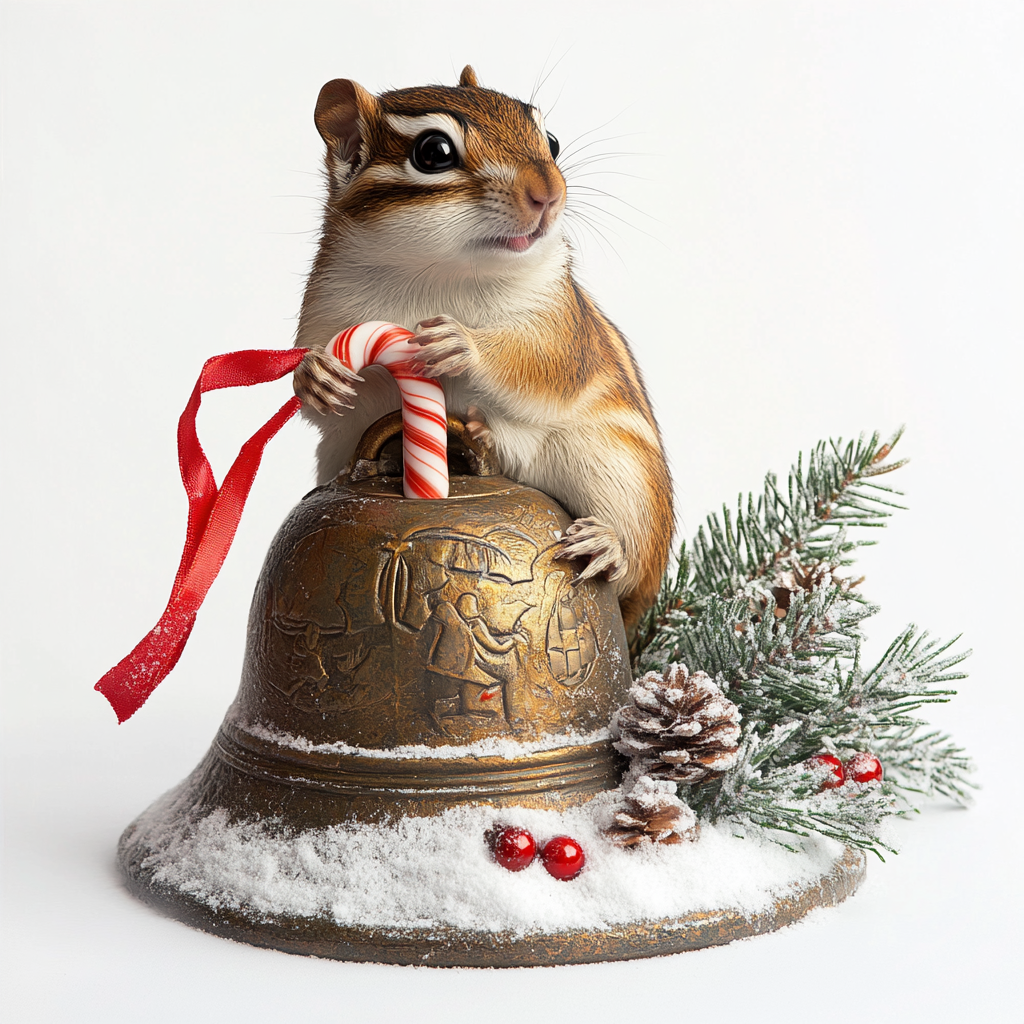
column 809, row 520
column 789, row 802
column 760, row 603
column 927, row 765
column 835, row 492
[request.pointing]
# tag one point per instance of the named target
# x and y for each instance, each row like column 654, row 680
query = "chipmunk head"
column 455, row 179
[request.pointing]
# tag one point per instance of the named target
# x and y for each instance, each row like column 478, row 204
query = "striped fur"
column 481, row 248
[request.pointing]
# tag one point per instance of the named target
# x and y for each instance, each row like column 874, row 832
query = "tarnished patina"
column 404, row 656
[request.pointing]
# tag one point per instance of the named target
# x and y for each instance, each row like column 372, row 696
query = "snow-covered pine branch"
column 760, row 602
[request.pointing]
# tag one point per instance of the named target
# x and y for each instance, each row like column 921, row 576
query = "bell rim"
column 443, row 945
column 584, row 768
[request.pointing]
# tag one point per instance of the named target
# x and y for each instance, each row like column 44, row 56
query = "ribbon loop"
column 213, row 517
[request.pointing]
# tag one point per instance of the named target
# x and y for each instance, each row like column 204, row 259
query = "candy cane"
column 424, row 420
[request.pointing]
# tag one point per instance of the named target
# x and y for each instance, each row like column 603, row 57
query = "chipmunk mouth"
column 515, row 243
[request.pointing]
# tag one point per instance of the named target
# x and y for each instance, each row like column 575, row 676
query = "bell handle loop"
column 478, row 454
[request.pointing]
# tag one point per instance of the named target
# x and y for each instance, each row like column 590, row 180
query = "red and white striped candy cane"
column 424, row 420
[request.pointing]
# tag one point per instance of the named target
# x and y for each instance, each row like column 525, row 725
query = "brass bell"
column 406, row 656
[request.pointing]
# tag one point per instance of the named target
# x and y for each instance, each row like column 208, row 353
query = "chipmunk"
column 444, row 215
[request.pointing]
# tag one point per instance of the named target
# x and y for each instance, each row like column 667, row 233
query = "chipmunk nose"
column 541, row 194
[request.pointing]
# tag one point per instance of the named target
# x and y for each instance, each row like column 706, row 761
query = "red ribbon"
column 213, row 516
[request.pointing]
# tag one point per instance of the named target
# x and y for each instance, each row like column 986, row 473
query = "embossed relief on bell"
column 472, row 665
column 312, row 639
column 382, row 628
column 571, row 641
column 425, row 562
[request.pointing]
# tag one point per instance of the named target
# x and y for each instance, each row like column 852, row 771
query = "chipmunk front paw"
column 447, row 348
column 476, row 426
column 322, row 381
column 590, row 538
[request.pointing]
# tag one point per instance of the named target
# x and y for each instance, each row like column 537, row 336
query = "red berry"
column 514, row 848
column 864, row 767
column 836, row 777
column 563, row 857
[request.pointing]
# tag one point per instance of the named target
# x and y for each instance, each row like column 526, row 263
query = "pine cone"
column 652, row 814
column 680, row 726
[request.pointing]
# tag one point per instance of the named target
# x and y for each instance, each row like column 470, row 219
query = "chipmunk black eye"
column 434, row 152
column 553, row 145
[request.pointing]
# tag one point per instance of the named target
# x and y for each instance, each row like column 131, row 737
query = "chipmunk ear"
column 468, row 77
column 342, row 111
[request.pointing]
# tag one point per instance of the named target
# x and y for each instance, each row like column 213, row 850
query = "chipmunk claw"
column 592, row 539
column 321, row 380
column 447, row 348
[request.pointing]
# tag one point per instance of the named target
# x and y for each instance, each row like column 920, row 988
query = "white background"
column 817, row 231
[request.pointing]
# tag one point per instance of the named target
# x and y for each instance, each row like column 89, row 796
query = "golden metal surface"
column 382, row 622
column 383, row 630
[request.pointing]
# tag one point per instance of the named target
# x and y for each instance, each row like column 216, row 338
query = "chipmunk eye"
column 434, row 152
column 553, row 145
